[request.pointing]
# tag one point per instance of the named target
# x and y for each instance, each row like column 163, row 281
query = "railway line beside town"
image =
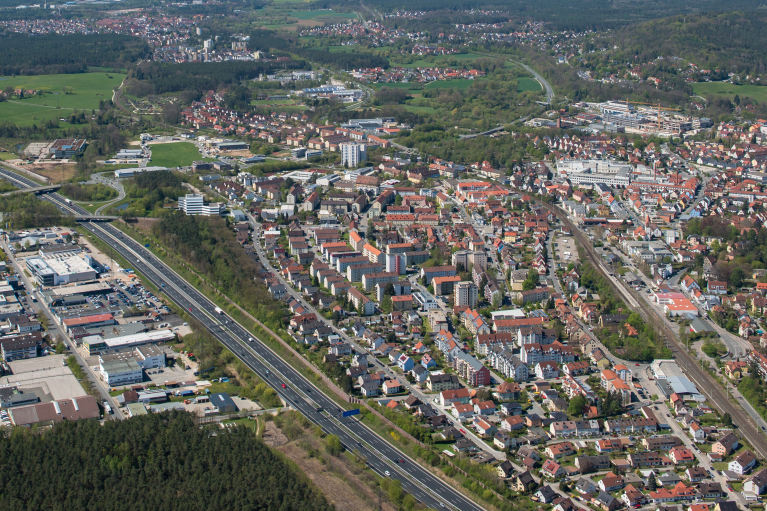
column 706, row 383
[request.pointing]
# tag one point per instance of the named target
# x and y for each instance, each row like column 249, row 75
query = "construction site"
column 647, row 118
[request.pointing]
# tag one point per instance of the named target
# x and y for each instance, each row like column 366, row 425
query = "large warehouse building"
column 59, row 271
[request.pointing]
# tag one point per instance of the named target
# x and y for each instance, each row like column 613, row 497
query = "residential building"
column 466, row 293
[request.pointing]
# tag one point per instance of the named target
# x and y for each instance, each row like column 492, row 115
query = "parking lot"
column 564, row 247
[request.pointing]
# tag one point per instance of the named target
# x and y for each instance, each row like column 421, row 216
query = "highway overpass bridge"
column 37, row 190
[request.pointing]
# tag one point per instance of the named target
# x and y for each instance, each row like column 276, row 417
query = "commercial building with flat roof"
column 79, row 408
column 54, row 271
column 97, row 344
column 147, row 357
column 121, row 372
column 665, row 368
column 89, row 321
column 123, row 173
column 92, row 288
column 223, row 402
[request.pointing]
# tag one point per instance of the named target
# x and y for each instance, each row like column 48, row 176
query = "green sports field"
column 175, row 154
column 85, row 92
column 756, row 92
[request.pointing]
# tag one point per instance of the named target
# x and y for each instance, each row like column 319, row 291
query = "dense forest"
column 212, row 249
column 156, row 461
column 149, row 191
column 733, row 41
column 561, row 14
column 52, row 53
column 27, row 210
column 158, row 78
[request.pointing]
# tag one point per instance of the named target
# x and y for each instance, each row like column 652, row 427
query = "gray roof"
column 469, row 359
column 701, row 326
column 682, row 385
column 585, row 484
column 605, row 498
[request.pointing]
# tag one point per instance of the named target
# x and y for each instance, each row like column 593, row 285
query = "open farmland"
column 81, row 91
column 729, row 90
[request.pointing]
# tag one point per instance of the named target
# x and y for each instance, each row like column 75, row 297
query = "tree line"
column 560, row 14
column 202, row 76
column 26, row 210
column 151, row 190
column 155, row 461
column 210, row 246
column 22, row 54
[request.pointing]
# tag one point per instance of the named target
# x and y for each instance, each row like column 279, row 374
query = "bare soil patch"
column 273, row 437
column 144, row 224
column 55, row 172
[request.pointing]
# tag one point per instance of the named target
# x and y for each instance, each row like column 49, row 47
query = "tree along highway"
column 296, row 390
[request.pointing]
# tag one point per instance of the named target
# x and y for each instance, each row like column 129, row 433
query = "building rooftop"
column 120, row 365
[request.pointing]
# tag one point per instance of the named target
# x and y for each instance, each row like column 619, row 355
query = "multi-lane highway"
column 292, row 387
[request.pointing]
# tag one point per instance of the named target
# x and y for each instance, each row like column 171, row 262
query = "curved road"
column 546, row 85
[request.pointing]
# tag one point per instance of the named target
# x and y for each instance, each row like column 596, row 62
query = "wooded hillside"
column 735, row 41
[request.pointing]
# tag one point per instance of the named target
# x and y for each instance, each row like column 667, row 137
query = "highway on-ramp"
column 300, row 393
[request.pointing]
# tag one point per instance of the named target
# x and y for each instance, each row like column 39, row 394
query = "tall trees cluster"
column 22, row 54
column 211, row 247
column 156, row 461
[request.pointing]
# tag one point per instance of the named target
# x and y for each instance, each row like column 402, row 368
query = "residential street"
column 378, row 366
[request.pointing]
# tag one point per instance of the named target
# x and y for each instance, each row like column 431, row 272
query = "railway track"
column 706, row 384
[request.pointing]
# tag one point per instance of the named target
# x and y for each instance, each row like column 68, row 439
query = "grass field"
column 409, row 86
column 438, row 60
column 176, row 154
column 461, row 83
column 272, row 102
column 420, row 109
column 528, row 84
column 321, row 14
column 295, row 20
column 756, row 92
column 87, row 90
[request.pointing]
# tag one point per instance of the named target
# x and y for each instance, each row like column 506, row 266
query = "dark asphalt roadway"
column 380, row 456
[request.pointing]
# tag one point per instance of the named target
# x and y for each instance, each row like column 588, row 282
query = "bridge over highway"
column 36, row 189
column 95, row 218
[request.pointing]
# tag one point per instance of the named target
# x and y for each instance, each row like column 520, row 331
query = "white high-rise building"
column 191, row 204
column 352, row 154
column 466, row 293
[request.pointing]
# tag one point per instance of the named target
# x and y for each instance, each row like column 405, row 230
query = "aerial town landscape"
column 383, row 255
